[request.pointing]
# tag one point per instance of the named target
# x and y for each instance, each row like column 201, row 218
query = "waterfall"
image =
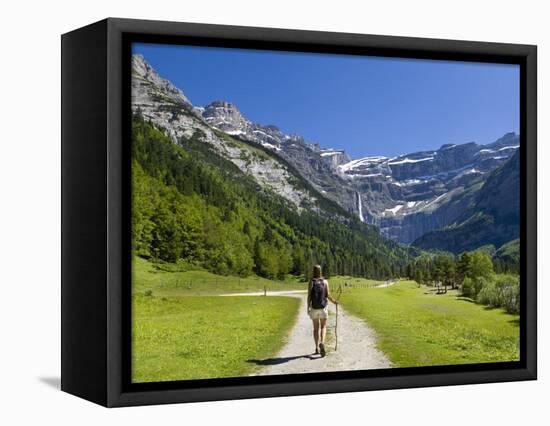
column 360, row 207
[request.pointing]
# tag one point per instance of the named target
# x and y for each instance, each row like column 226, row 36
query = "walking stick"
column 336, row 322
column 336, row 331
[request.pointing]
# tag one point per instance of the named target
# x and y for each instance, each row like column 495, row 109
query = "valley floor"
column 182, row 329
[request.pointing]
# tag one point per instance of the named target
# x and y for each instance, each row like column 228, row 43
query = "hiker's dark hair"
column 317, row 271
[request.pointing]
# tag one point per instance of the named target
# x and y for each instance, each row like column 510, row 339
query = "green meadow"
column 417, row 327
column 198, row 337
column 182, row 329
column 166, row 280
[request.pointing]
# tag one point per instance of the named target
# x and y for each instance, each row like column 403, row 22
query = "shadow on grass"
column 490, row 308
column 514, row 321
column 434, row 292
column 465, row 299
column 279, row 360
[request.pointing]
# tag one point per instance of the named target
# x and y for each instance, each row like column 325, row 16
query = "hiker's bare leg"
column 323, row 330
column 316, row 333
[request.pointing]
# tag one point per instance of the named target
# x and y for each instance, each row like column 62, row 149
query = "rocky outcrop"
column 167, row 107
column 334, row 157
column 150, row 88
column 317, row 166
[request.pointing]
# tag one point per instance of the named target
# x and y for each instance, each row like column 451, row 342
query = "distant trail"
column 269, row 293
column 356, row 344
column 387, row 284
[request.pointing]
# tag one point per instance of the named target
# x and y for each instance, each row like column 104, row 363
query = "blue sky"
column 365, row 105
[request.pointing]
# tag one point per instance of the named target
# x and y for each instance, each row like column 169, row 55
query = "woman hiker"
column 317, row 300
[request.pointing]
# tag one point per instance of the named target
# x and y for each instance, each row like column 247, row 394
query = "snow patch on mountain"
column 410, row 160
column 365, row 161
column 395, row 209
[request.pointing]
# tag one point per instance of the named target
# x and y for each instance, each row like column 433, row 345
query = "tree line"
column 471, row 272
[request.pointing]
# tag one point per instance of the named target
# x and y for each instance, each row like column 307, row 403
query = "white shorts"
column 316, row 314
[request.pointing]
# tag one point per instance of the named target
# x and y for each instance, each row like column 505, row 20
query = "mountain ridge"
column 405, row 196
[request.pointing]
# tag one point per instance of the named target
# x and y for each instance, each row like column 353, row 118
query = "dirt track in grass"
column 356, row 344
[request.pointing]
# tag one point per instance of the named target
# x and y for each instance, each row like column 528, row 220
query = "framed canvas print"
column 253, row 212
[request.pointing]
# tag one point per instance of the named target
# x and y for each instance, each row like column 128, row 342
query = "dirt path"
column 388, row 283
column 356, row 344
column 269, row 293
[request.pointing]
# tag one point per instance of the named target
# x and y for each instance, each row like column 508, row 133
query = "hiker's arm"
column 308, row 297
column 330, row 296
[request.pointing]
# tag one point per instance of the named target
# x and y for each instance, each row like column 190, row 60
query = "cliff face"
column 410, row 195
column 167, row 107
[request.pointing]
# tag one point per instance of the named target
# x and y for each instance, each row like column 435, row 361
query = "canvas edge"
column 83, row 214
column 114, row 393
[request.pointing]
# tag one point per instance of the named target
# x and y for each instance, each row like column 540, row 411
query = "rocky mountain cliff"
column 163, row 104
column 254, row 149
column 316, row 165
column 409, row 195
column 405, row 196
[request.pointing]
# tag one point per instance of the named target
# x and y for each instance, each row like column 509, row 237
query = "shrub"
column 488, row 294
column 472, row 286
column 507, row 287
column 502, row 291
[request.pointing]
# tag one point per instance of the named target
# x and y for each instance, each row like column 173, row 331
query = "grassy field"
column 148, row 278
column 181, row 330
column 181, row 338
column 417, row 327
column 353, row 282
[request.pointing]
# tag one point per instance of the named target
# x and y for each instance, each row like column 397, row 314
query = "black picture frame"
column 95, row 286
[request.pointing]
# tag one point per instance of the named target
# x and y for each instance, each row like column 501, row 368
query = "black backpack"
column 318, row 294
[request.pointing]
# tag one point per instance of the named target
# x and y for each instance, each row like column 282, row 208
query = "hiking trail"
column 356, row 343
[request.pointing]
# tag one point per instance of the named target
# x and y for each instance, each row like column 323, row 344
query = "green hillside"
column 194, row 206
column 506, row 258
column 493, row 219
